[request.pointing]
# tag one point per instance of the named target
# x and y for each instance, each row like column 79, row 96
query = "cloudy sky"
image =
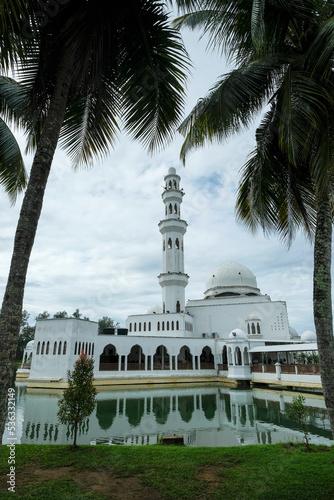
column 98, row 247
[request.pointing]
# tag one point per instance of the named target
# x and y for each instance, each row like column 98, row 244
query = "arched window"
column 65, row 347
column 170, row 208
column 163, row 325
column 135, row 327
column 258, row 328
column 253, row 328
column 130, row 327
column 144, row 327
column 164, row 245
column 93, row 350
column 175, row 208
column 59, row 348
column 158, row 326
column 75, row 348
column 172, row 325
column 175, row 185
column 55, row 348
column 178, row 306
column 89, row 348
column 38, row 347
column 170, row 185
column 139, row 327
column 177, row 244
column 47, row 347
column 79, row 348
column 169, row 243
column 86, row 350
column 149, row 326
column 166, row 210
column 177, row 325
column 43, row 347
column 248, row 329
column 167, row 325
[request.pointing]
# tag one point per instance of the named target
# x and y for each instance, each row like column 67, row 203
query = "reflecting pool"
column 204, row 415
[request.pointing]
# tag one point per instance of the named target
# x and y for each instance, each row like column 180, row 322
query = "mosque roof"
column 231, row 278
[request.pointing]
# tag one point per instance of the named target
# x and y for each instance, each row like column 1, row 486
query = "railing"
column 184, row 365
column 207, row 365
column 223, row 367
column 309, row 369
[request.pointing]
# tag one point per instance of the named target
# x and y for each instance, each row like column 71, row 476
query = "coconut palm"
column 283, row 53
column 90, row 72
column 12, row 99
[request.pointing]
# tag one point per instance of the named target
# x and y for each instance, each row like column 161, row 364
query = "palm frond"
column 13, row 176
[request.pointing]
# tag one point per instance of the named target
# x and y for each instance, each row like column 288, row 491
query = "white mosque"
column 234, row 334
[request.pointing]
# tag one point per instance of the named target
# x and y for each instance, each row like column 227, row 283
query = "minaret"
column 173, row 279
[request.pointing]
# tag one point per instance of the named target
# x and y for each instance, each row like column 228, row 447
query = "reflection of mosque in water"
column 206, row 416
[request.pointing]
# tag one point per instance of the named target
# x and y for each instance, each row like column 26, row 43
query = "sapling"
column 79, row 399
column 297, row 411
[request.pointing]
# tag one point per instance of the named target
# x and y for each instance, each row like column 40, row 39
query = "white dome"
column 154, row 309
column 293, row 332
column 237, row 334
column 171, row 171
column 231, row 278
column 308, row 336
column 30, row 345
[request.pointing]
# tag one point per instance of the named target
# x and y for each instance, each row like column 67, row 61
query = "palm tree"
column 89, row 73
column 283, row 52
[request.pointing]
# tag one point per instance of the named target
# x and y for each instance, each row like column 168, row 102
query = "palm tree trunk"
column 11, row 311
column 322, row 299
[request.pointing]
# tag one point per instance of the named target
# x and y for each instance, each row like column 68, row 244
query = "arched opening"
column 55, row 348
column 224, row 357
column 175, row 185
column 175, row 208
column 109, row 359
column 144, row 326
column 59, row 348
column 178, row 306
column 43, row 348
column 167, row 326
column 177, row 244
column 158, row 326
column 207, row 359
column 177, row 325
column 229, row 356
column 38, row 347
column 184, row 359
column 258, row 329
column 149, row 326
column 135, row 327
column 130, row 327
column 161, row 358
column 253, row 329
column 172, row 325
column 47, row 347
column 136, row 358
column 170, row 208
column 169, row 243
column 237, row 356
column 75, row 348
column 246, row 357
column 139, row 327
column 89, row 348
column 248, row 329
column 163, row 325
column 170, row 185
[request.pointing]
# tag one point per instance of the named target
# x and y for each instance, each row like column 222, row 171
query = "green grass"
column 248, row 472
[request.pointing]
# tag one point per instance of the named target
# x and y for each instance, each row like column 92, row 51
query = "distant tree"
column 76, row 314
column 43, row 315
column 60, row 314
column 79, row 399
column 85, row 318
column 27, row 333
column 106, row 322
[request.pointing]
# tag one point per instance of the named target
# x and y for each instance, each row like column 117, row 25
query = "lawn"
column 280, row 471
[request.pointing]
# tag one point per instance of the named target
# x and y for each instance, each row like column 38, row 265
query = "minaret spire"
column 173, row 279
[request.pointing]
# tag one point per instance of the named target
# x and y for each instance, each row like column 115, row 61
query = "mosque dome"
column 293, row 332
column 237, row 334
column 230, row 279
column 308, row 336
column 30, row 345
column 154, row 309
column 171, row 171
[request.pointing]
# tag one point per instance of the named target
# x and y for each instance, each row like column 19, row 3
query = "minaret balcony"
column 170, row 279
column 168, row 225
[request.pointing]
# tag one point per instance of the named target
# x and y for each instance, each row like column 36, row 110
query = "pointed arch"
column 136, row 358
column 109, row 358
column 185, row 359
column 207, row 359
column 161, row 358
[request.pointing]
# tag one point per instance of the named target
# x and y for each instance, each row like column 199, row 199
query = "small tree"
column 79, row 399
column 106, row 322
column 298, row 412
